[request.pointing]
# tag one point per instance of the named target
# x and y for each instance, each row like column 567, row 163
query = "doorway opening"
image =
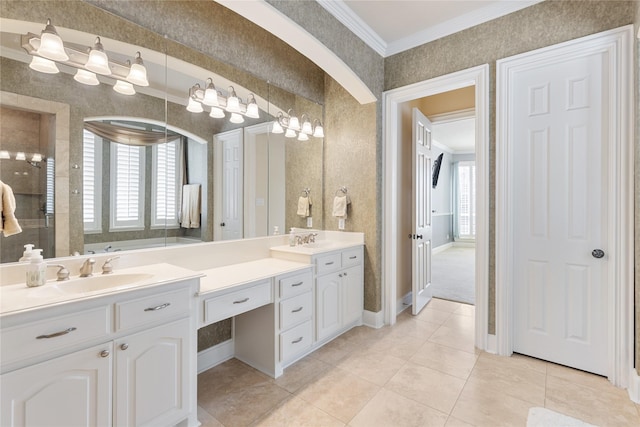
column 474, row 80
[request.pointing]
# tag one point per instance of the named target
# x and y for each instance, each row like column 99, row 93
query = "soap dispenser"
column 26, row 255
column 36, row 270
column 292, row 237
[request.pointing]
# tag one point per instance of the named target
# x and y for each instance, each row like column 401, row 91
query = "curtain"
column 128, row 136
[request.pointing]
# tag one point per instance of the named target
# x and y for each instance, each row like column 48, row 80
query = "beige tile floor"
column 423, row 371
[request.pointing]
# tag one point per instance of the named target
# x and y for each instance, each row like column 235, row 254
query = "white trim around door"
column 617, row 45
column 478, row 77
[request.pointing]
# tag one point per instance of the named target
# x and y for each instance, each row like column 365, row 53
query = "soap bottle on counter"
column 292, row 237
column 26, row 255
column 36, row 270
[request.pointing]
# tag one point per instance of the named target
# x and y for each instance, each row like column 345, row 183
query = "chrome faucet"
column 87, row 267
column 107, row 267
column 107, row 248
column 62, row 274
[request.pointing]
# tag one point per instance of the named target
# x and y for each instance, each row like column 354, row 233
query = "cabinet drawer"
column 234, row 303
column 328, row 263
column 37, row 338
column 295, row 310
column 295, row 341
column 352, row 257
column 152, row 309
column 295, row 285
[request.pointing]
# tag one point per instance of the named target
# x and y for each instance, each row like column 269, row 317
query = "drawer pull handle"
column 158, row 307
column 353, row 257
column 296, row 341
column 241, row 301
column 124, row 346
column 328, row 263
column 297, row 284
column 105, row 353
column 57, row 334
column 297, row 310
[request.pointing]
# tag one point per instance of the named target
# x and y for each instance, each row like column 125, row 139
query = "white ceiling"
column 457, row 135
column 392, row 26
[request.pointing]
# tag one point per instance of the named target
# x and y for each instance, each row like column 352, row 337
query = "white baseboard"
column 403, row 303
column 373, row 320
column 465, row 243
column 215, row 355
column 492, row 344
column 634, row 386
column 441, row 248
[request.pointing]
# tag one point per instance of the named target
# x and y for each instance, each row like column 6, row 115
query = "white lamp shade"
column 138, row 75
column 216, row 113
column 253, row 111
column 37, row 157
column 303, row 136
column 43, row 65
column 236, row 118
column 306, row 127
column 4, row 154
column 277, row 128
column 233, row 104
column 318, row 132
column 20, row 156
column 210, row 98
column 124, row 88
column 51, row 47
column 294, row 123
column 98, row 61
column 290, row 133
column 86, row 78
column 194, row 106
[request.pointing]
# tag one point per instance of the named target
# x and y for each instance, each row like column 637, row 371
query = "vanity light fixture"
column 48, row 51
column 4, row 154
column 43, row 65
column 218, row 103
column 98, row 60
column 51, row 46
column 290, row 125
column 124, row 88
column 20, row 155
column 86, row 77
column 37, row 157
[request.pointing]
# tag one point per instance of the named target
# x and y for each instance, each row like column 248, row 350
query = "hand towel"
column 190, row 212
column 340, row 204
column 8, row 222
column 304, row 206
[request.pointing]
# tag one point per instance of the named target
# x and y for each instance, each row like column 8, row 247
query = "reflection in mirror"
column 54, row 110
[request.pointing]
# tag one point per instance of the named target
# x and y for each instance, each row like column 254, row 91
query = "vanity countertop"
column 318, row 247
column 20, row 298
column 216, row 279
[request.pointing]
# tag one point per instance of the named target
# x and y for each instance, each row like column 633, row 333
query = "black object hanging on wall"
column 436, row 171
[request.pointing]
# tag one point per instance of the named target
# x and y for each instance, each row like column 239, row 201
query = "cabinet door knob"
column 124, row 346
column 340, row 275
column 597, row 253
column 345, row 274
column 222, row 224
column 105, row 353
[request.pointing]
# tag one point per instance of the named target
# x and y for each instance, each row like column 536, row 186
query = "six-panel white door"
column 229, row 210
column 559, row 127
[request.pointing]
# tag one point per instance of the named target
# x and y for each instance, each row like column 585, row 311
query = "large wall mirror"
column 97, row 170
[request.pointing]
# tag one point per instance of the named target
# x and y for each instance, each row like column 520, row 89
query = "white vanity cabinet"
column 127, row 360
column 339, row 292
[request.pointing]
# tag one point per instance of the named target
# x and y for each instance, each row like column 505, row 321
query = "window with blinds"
column 166, row 184
column 91, row 179
column 467, row 200
column 127, row 187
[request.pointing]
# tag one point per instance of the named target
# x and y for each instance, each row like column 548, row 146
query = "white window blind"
column 91, row 179
column 166, row 184
column 51, row 179
column 127, row 187
column 467, row 200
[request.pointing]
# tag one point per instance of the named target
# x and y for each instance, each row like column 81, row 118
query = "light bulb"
column 236, row 118
column 124, row 88
column 86, row 77
column 138, row 72
column 51, row 46
column 194, row 106
column 43, row 65
column 98, row 61
column 216, row 113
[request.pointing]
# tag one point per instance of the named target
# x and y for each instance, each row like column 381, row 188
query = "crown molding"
column 455, row 25
column 355, row 24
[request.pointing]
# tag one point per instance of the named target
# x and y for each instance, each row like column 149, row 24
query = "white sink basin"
column 319, row 244
column 100, row 283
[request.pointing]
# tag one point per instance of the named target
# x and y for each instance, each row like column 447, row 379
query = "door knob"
column 222, row 224
column 597, row 253
column 419, row 236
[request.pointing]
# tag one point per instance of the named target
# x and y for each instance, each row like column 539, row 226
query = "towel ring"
column 342, row 190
